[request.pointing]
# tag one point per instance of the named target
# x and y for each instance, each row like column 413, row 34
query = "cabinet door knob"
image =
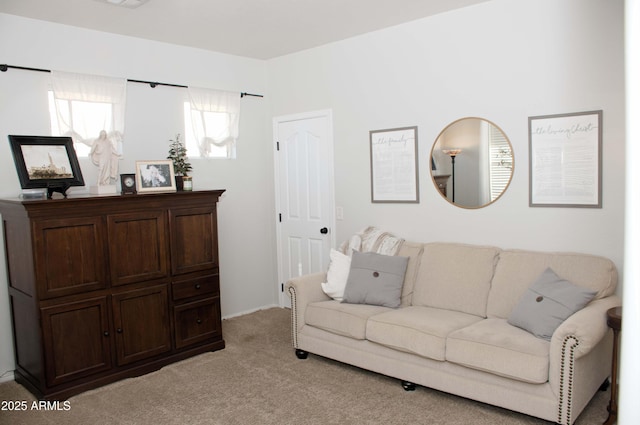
column 119, row 330
column 197, row 286
column 106, row 333
column 198, row 321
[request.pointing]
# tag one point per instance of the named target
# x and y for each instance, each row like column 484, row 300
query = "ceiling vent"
column 131, row 4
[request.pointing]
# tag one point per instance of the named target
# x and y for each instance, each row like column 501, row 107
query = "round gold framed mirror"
column 472, row 162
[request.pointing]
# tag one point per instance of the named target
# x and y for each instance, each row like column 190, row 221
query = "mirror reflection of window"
column 501, row 162
column 482, row 167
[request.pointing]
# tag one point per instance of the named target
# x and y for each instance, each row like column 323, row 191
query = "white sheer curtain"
column 215, row 118
column 86, row 105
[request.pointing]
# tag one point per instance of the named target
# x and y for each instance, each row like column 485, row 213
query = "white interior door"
column 304, row 194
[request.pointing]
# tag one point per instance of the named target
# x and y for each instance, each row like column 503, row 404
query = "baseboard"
column 242, row 313
column 7, row 376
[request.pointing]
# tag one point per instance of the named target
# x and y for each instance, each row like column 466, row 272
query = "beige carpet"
column 258, row 380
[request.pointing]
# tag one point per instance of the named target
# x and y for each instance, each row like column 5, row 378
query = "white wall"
column 630, row 333
column 501, row 60
column 154, row 116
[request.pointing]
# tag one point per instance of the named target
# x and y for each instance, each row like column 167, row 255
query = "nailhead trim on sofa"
column 294, row 317
column 564, row 398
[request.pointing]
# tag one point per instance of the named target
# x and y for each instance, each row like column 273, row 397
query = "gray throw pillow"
column 375, row 279
column 548, row 302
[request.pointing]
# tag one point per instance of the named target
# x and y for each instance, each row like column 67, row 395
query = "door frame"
column 283, row 298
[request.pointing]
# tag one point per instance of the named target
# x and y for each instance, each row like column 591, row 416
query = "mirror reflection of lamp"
column 452, row 153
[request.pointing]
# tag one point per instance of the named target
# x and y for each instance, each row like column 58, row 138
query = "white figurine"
column 105, row 156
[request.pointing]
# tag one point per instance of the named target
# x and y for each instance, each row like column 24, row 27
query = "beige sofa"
column 451, row 333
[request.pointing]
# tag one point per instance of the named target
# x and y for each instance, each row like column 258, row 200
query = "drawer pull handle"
column 198, row 321
column 197, row 286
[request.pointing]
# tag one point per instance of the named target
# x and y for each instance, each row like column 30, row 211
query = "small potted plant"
column 181, row 165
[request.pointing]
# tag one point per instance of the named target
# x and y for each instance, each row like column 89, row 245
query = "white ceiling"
column 260, row 29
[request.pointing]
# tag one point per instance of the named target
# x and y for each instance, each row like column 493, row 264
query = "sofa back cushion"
column 414, row 251
column 517, row 270
column 455, row 277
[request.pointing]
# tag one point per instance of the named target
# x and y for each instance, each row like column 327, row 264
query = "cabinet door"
column 76, row 340
column 69, row 256
column 141, row 321
column 194, row 239
column 137, row 246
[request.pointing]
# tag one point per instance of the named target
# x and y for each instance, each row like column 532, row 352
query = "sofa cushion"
column 548, row 302
column 517, row 269
column 455, row 277
column 492, row 345
column 418, row 330
column 375, row 279
column 337, row 274
column 343, row 319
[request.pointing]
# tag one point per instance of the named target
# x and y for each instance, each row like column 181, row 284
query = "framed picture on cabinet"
column 565, row 154
column 155, row 176
column 46, row 162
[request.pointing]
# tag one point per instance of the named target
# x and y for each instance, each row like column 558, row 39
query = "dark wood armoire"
column 108, row 287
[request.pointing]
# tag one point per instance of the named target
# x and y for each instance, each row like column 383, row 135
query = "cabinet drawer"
column 197, row 322
column 206, row 285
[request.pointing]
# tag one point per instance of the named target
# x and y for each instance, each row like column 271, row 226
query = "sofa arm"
column 579, row 352
column 588, row 326
column 304, row 290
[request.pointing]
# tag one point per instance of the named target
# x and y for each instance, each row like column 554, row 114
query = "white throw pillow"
column 339, row 266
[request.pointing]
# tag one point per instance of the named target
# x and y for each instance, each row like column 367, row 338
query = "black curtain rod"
column 5, row 67
column 152, row 84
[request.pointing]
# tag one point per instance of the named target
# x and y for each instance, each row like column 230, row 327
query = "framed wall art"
column 565, row 155
column 46, row 162
column 155, row 176
column 394, row 165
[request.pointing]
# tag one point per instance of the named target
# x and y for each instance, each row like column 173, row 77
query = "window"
column 212, row 122
column 86, row 118
column 82, row 106
column 215, row 123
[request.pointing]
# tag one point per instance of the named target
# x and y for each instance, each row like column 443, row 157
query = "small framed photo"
column 155, row 176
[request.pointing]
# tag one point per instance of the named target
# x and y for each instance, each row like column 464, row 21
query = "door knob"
column 324, row 230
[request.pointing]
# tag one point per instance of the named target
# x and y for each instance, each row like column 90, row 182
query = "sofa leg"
column 605, row 385
column 408, row 386
column 301, row 354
